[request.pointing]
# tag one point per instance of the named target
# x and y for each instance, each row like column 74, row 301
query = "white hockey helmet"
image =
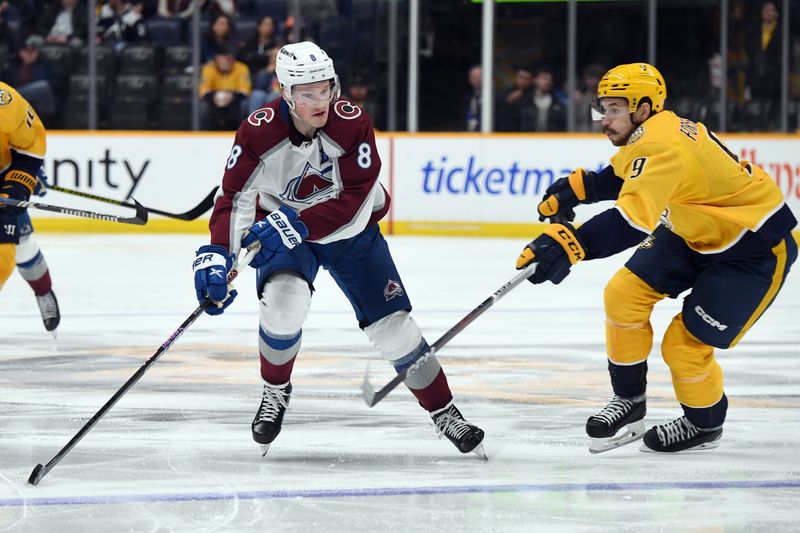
column 304, row 62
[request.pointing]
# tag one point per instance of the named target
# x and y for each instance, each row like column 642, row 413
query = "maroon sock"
column 276, row 374
column 42, row 285
column 436, row 395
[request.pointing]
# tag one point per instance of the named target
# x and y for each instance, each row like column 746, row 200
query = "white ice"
column 175, row 454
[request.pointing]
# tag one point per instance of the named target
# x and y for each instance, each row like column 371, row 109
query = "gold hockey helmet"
column 634, row 82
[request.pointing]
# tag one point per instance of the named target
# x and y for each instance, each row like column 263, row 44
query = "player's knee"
column 396, row 336
column 628, row 299
column 284, row 303
column 7, row 261
column 27, row 249
column 629, row 302
column 684, row 354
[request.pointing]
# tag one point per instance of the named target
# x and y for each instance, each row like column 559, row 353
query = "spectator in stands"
column 224, row 90
column 585, row 95
column 214, row 8
column 543, row 111
column 764, row 63
column 358, row 94
column 510, row 103
column 259, row 54
column 181, row 9
column 121, row 22
column 64, row 22
column 220, row 37
column 472, row 107
column 31, row 77
column 8, row 38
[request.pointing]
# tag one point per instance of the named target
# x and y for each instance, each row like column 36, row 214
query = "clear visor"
column 602, row 109
column 312, row 94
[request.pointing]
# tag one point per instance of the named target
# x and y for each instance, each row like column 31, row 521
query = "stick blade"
column 37, row 474
column 366, row 389
column 140, row 219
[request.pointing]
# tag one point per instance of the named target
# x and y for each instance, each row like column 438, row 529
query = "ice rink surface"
column 176, row 453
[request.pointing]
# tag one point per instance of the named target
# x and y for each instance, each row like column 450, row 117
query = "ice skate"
column 467, row 438
column 680, row 435
column 617, row 424
column 268, row 420
column 48, row 307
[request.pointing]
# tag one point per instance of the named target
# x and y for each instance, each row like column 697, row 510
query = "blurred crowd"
column 144, row 62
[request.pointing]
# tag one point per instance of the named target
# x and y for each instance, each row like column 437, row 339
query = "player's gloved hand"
column 17, row 185
column 278, row 232
column 563, row 195
column 211, row 268
column 41, row 182
column 556, row 250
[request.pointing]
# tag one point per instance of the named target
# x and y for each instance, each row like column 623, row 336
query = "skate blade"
column 480, row 451
column 264, row 449
column 633, row 432
column 705, row 446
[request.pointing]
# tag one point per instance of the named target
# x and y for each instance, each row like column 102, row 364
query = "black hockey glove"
column 556, row 250
column 564, row 194
column 17, row 185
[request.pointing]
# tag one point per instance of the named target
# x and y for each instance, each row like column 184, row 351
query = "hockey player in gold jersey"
column 22, row 150
column 705, row 222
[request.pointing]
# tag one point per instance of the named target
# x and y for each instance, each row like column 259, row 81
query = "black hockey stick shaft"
column 191, row 214
column 139, row 219
column 40, row 470
column 371, row 396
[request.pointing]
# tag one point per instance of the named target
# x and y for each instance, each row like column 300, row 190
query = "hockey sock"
column 436, row 395
column 628, row 381
column 36, row 273
column 707, row 417
column 276, row 374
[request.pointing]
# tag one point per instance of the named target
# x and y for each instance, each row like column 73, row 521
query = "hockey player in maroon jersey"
column 302, row 180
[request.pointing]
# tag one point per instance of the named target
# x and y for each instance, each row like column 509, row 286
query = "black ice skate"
column 620, row 414
column 450, row 422
column 48, row 307
column 680, row 435
column 268, row 420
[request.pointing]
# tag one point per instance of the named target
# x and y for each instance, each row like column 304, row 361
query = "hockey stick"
column 191, row 214
column 41, row 470
column 371, row 396
column 139, row 219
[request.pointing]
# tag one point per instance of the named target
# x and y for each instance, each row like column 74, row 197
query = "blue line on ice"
column 401, row 491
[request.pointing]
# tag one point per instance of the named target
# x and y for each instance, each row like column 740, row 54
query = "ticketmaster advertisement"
column 444, row 184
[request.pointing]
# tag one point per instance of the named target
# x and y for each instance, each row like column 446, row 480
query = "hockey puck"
column 36, row 475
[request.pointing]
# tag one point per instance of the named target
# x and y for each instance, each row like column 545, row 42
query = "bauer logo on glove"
column 289, row 236
column 281, row 231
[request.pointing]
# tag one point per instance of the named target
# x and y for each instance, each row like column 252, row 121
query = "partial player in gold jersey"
column 705, row 222
column 22, row 151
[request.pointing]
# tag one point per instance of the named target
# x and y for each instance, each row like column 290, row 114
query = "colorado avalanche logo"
column 261, row 116
column 392, row 289
column 310, row 187
column 346, row 110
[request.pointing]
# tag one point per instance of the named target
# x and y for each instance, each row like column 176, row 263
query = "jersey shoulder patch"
column 347, row 124
column 263, row 129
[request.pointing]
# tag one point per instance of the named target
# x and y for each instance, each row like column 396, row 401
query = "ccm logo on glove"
column 568, row 242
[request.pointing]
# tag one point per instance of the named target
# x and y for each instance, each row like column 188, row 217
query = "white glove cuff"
column 209, row 259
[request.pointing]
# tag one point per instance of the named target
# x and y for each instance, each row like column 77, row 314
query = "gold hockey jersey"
column 678, row 172
column 22, row 134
